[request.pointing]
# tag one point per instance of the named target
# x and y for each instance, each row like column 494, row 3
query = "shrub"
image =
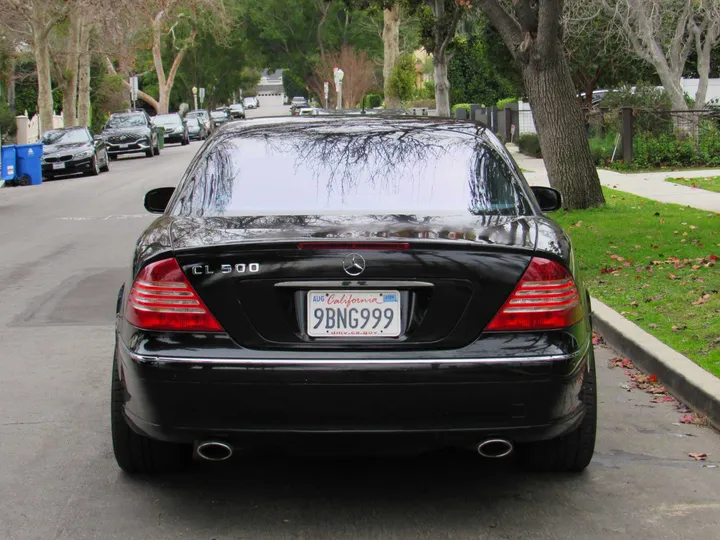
column 402, row 80
column 426, row 92
column 506, row 101
column 601, row 149
column 373, row 100
column 457, row 106
column 8, row 124
column 529, row 144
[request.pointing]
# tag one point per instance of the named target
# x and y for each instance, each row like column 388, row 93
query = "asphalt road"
column 64, row 249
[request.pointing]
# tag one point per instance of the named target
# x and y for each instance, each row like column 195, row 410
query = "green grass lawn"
column 658, row 265
column 709, row 183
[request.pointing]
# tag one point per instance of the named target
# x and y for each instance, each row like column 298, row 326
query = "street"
column 65, row 248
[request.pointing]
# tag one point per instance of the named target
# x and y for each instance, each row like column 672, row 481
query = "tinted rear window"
column 350, row 167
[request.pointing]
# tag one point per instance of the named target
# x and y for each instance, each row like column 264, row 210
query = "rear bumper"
column 456, row 401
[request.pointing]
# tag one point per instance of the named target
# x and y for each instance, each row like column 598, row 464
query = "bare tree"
column 664, row 33
column 163, row 19
column 34, row 20
column 532, row 32
column 359, row 76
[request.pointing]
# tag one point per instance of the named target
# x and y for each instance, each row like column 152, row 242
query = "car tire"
column 106, row 167
column 113, row 157
column 185, row 141
column 94, row 167
column 134, row 453
column 573, row 451
column 156, row 149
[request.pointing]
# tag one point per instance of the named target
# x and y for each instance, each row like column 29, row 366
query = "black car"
column 176, row 130
column 196, row 128
column 219, row 117
column 73, row 150
column 353, row 281
column 236, row 110
column 131, row 133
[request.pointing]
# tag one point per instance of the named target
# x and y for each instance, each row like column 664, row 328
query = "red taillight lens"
column 354, row 246
column 545, row 299
column 163, row 299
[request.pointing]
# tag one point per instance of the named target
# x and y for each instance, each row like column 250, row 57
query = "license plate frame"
column 58, row 166
column 347, row 308
column 123, row 146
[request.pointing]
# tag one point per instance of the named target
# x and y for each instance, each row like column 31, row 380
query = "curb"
column 687, row 381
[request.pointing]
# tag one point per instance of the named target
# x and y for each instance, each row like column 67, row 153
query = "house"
column 270, row 89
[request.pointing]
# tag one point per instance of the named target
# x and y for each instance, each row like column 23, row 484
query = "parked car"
column 73, row 150
column 219, row 117
column 130, row 133
column 176, row 130
column 291, row 293
column 236, row 110
column 297, row 104
column 204, row 117
column 251, row 103
column 196, row 128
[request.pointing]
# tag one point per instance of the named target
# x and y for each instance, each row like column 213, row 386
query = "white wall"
column 713, row 93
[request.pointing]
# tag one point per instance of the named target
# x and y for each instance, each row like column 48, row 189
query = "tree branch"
column 504, row 23
column 147, row 98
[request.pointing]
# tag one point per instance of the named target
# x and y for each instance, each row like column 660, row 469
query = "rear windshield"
column 167, row 120
column 347, row 167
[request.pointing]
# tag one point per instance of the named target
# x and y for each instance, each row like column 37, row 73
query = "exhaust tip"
column 495, row 448
column 214, row 450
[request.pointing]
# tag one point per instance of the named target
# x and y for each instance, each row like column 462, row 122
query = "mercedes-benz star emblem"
column 354, row 264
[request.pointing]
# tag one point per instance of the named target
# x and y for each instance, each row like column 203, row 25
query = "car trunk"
column 448, row 284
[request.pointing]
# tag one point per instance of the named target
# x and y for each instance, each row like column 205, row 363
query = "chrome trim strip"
column 320, row 363
column 354, row 283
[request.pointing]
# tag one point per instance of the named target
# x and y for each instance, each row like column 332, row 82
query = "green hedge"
column 457, row 106
column 529, row 144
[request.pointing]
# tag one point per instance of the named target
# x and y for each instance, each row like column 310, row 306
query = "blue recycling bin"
column 29, row 162
column 8, row 158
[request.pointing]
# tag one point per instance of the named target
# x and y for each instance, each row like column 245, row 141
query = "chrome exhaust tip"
column 495, row 448
column 214, row 450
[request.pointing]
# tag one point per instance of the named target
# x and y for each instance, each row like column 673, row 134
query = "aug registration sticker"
column 353, row 313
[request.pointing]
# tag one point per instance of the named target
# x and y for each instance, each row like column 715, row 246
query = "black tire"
column 573, row 451
column 94, row 167
column 106, row 167
column 134, row 453
column 185, row 141
column 113, row 157
column 156, row 149
column 150, row 152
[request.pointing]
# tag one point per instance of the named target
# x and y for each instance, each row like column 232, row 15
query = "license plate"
column 123, row 145
column 353, row 313
column 58, row 166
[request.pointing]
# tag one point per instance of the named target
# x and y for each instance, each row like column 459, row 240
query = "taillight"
column 545, row 299
column 163, row 299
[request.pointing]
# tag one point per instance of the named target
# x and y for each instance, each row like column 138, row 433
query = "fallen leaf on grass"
column 704, row 299
column 698, row 457
column 634, row 304
column 676, row 328
column 693, row 227
column 673, row 276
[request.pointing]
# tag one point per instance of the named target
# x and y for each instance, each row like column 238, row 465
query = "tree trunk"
column 11, row 84
column 391, row 52
column 442, row 85
column 70, row 88
column 84, row 76
column 45, row 97
column 561, row 129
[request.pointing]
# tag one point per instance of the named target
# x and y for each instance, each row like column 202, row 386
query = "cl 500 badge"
column 252, row 268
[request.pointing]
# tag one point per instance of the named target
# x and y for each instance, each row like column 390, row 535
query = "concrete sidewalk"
column 648, row 185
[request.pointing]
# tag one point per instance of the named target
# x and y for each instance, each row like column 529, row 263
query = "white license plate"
column 353, row 313
column 58, row 166
column 123, row 145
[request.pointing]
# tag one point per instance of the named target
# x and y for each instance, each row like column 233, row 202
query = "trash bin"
column 29, row 163
column 161, row 137
column 8, row 162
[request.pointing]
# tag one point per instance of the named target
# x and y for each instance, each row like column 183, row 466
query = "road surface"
column 65, row 247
